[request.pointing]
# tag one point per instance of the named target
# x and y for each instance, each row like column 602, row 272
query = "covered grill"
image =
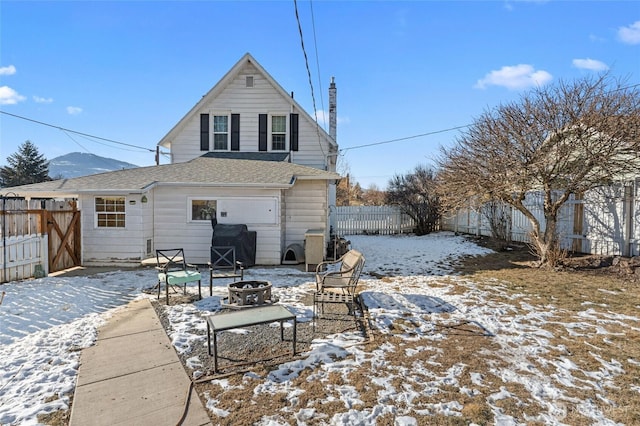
column 238, row 236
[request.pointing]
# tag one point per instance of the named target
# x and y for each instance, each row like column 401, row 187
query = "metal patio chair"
column 174, row 271
column 223, row 264
column 336, row 282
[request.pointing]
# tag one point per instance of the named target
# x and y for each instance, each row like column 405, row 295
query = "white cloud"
column 630, row 34
column 41, row 100
column 323, row 117
column 74, row 110
column 8, row 96
column 515, row 77
column 590, row 64
column 10, row 70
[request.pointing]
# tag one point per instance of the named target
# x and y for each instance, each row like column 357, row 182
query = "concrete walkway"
column 133, row 376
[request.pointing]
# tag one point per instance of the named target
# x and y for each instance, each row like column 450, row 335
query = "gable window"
column 278, row 132
column 220, row 132
column 110, row 212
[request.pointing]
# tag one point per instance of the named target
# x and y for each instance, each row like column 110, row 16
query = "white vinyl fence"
column 23, row 242
column 383, row 220
column 605, row 221
column 23, row 257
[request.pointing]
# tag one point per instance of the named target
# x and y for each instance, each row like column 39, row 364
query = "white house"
column 246, row 150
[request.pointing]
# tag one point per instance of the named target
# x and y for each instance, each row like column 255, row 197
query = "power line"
column 632, row 86
column 406, row 138
column 315, row 44
column 76, row 132
column 306, row 61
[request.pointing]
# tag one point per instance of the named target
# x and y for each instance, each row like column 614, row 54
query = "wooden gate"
column 63, row 229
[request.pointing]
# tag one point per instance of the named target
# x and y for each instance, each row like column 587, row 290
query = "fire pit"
column 249, row 293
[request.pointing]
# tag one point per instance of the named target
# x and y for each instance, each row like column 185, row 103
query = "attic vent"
column 249, row 81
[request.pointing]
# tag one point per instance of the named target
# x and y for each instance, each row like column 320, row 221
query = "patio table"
column 247, row 318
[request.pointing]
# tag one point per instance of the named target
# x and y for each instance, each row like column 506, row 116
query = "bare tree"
column 416, row 195
column 373, row 196
column 348, row 192
column 556, row 140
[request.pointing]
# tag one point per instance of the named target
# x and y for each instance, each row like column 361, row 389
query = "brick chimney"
column 333, row 112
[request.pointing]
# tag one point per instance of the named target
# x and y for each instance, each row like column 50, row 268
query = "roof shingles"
column 202, row 171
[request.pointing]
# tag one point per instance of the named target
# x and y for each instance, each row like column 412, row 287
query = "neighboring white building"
column 246, row 150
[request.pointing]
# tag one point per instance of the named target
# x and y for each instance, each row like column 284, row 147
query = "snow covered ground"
column 45, row 322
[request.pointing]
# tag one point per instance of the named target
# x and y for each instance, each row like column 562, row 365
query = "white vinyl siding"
column 175, row 229
column 262, row 98
column 306, row 206
column 108, row 246
column 164, row 221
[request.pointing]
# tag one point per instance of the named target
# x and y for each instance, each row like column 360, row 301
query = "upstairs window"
column 278, row 132
column 110, row 212
column 220, row 132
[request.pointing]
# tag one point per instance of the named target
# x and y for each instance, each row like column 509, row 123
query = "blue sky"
column 129, row 71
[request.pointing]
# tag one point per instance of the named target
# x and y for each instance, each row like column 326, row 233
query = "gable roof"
column 201, row 171
column 223, row 83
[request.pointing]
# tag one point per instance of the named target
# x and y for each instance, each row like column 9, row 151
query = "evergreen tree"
column 25, row 166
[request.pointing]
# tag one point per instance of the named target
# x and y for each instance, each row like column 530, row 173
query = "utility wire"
column 315, row 44
column 632, row 86
column 306, row 61
column 405, row 138
column 76, row 142
column 76, row 132
column 105, row 162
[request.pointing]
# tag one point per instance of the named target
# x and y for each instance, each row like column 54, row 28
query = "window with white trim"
column 278, row 132
column 203, row 209
column 110, row 212
column 220, row 132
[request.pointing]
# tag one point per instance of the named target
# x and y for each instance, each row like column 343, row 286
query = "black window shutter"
column 235, row 132
column 293, row 133
column 204, row 132
column 262, row 132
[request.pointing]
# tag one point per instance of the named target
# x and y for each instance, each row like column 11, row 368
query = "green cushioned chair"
column 174, row 271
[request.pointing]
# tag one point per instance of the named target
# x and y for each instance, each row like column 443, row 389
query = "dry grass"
column 590, row 321
column 468, row 351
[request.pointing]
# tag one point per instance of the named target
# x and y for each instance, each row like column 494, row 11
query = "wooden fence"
column 26, row 248
column 383, row 220
column 605, row 221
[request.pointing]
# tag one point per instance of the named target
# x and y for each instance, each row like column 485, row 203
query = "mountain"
column 78, row 164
